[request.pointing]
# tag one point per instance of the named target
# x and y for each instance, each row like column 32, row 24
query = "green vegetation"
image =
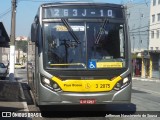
column 22, row 45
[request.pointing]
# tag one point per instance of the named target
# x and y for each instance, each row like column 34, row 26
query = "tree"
column 22, row 45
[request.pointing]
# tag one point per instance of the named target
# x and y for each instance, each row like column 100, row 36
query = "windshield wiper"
column 70, row 30
column 99, row 33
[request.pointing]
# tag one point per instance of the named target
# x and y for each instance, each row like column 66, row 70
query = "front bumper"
column 48, row 97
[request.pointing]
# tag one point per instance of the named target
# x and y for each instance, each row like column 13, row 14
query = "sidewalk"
column 11, row 96
column 146, row 79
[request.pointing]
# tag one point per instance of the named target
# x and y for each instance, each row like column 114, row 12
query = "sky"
column 27, row 9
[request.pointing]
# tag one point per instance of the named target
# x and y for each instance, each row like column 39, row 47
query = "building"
column 19, row 54
column 138, row 21
column 4, row 42
column 154, row 44
column 23, row 38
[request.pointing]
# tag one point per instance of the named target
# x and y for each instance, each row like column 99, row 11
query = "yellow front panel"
column 87, row 85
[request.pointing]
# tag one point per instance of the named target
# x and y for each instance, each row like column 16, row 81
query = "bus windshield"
column 98, row 45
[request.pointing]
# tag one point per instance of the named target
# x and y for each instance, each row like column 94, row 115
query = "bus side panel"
column 31, row 64
column 123, row 95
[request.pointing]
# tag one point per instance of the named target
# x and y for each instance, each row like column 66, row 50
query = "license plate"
column 87, row 101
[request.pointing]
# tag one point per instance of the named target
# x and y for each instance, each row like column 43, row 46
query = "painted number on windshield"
column 102, row 85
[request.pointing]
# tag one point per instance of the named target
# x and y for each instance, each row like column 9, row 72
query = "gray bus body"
column 79, row 53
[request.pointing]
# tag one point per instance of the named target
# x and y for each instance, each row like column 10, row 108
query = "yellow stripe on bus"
column 99, row 85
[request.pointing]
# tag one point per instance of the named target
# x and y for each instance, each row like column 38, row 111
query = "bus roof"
column 72, row 3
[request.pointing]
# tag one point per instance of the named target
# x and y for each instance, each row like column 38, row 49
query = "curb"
column 21, row 91
column 20, row 87
column 146, row 79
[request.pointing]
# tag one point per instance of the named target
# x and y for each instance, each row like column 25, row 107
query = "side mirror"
column 33, row 32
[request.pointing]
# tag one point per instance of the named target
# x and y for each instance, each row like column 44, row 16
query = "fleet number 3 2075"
column 102, row 85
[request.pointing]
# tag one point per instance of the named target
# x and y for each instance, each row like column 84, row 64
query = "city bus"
column 79, row 53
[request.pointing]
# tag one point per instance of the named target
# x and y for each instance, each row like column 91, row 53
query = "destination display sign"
column 82, row 12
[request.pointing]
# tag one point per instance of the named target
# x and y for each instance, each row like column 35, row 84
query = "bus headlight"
column 121, row 84
column 55, row 86
column 47, row 81
column 118, row 85
column 125, row 80
column 50, row 84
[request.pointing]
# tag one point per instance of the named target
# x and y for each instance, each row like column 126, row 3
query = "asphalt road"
column 144, row 105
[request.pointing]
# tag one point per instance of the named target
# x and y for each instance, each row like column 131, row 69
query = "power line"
column 138, row 18
column 36, row 0
column 132, row 5
column 144, row 26
column 5, row 13
column 146, row 30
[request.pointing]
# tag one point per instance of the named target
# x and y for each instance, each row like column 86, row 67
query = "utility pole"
column 12, row 43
